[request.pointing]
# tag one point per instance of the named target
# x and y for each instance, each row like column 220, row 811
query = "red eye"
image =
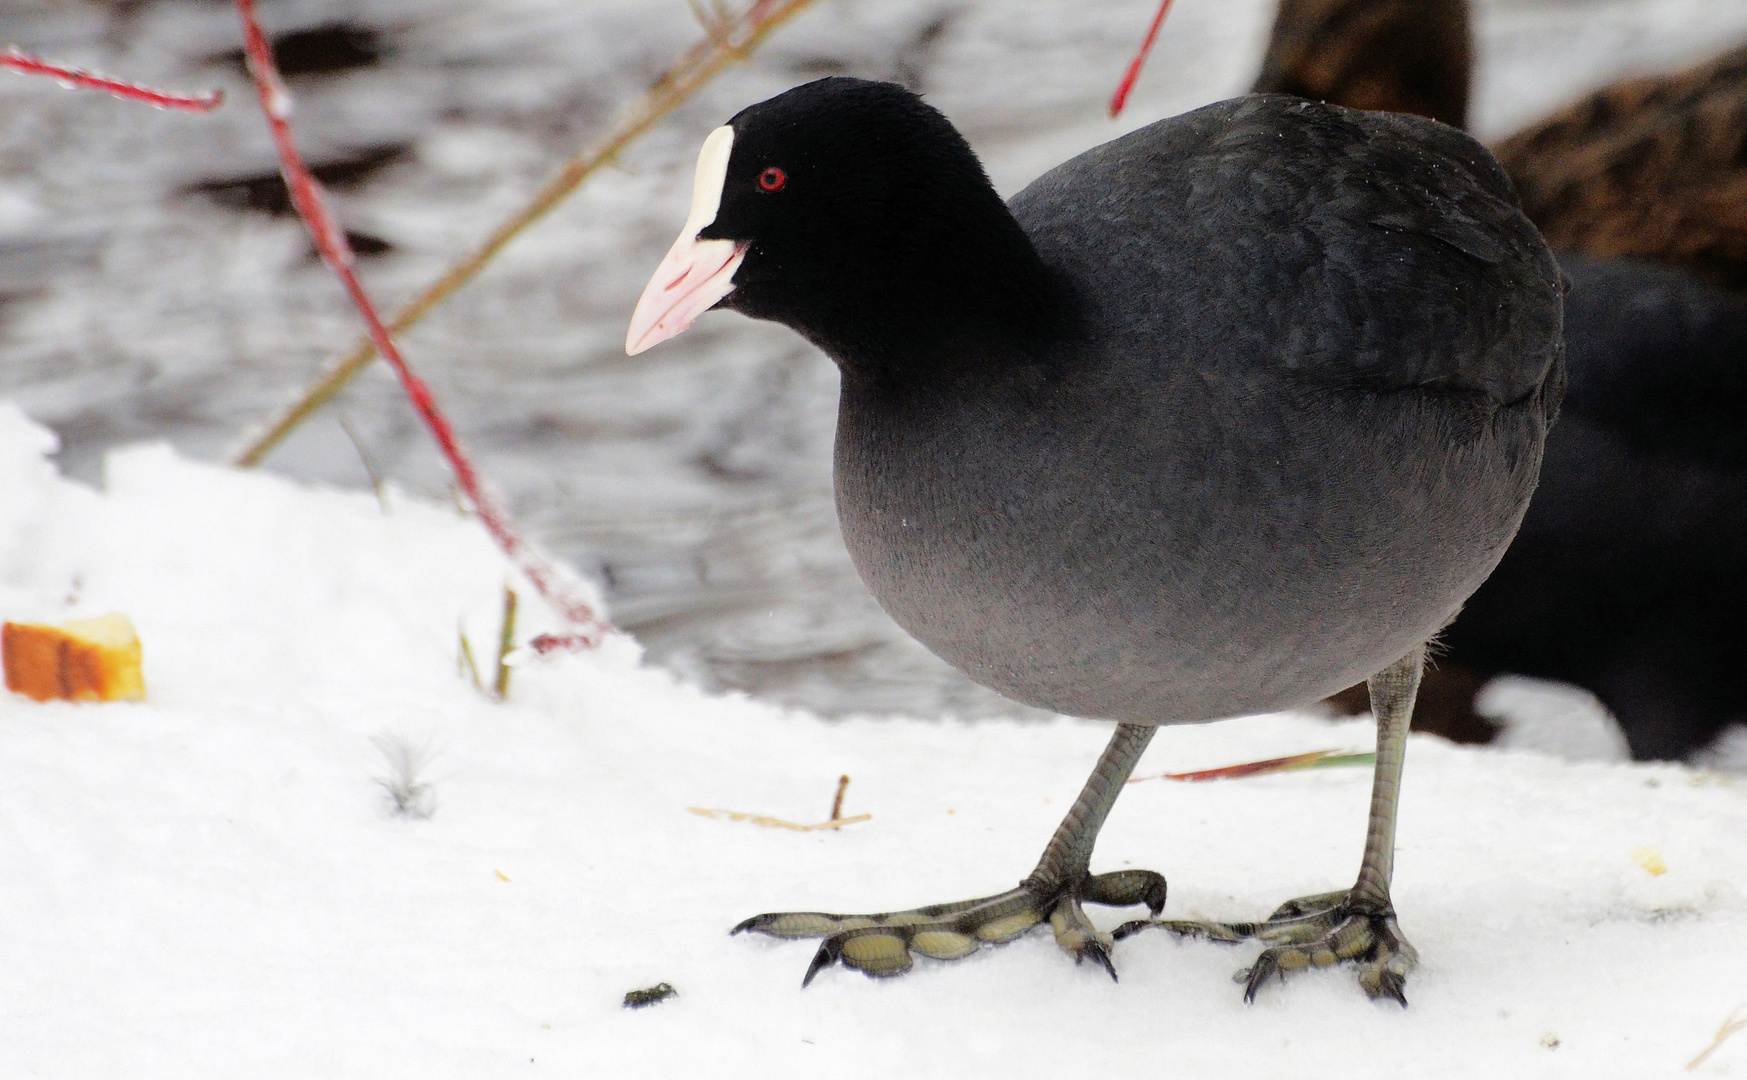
column 772, row 179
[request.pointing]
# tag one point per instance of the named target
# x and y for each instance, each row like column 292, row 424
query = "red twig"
column 73, row 77
column 587, row 627
column 1120, row 98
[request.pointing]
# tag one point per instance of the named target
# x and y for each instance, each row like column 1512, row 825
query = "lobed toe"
column 1124, row 888
column 879, row 953
column 943, row 944
column 798, row 924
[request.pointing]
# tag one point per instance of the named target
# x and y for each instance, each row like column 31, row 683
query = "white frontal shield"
column 695, row 273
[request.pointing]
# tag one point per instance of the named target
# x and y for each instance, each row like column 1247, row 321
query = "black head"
column 863, row 220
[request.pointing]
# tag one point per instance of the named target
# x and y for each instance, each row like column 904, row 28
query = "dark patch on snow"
column 655, row 995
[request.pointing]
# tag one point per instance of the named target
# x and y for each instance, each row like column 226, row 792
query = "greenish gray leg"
column 1358, row 924
column 1055, row 890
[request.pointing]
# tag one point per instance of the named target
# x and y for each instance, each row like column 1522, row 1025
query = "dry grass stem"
column 1316, row 759
column 506, row 643
column 1736, row 1022
column 837, row 802
column 369, row 465
column 775, row 823
column 731, row 39
column 466, row 664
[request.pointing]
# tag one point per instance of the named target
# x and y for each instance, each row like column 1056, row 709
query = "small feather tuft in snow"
column 408, row 794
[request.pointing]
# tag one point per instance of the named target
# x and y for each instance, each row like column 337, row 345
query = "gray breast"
column 1161, row 575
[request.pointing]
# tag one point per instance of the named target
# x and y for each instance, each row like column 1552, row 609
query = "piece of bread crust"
column 85, row 660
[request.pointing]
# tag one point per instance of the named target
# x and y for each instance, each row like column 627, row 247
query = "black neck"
column 958, row 285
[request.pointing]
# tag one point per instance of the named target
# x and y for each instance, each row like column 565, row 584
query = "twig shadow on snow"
column 409, row 794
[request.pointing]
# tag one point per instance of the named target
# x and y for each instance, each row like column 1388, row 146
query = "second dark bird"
column 1630, row 572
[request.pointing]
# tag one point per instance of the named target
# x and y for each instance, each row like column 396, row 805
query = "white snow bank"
column 211, row 884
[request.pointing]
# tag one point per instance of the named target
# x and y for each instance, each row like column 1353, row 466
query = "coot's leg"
column 1062, row 882
column 1358, row 924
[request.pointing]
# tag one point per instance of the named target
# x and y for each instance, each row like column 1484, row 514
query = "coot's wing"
column 1343, row 248
column 1398, row 245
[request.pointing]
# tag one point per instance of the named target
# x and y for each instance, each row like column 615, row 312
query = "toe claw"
column 1258, row 973
column 1385, row 984
column 1098, row 952
column 824, row 958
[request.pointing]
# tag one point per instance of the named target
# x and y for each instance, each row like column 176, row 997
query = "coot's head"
column 853, row 212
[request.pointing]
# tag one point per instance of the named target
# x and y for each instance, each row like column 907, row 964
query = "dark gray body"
column 1298, row 423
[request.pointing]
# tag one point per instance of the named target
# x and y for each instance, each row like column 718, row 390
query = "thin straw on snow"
column 837, row 801
column 1315, row 759
column 77, row 79
column 506, row 644
column 727, row 39
column 587, row 627
column 465, row 663
column 775, row 823
column 1733, row 1024
column 835, row 821
column 369, row 464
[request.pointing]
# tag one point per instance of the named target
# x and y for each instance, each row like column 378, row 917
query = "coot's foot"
column 881, row 945
column 1313, row 931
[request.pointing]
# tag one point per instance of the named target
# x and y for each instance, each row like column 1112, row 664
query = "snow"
column 1553, row 718
column 213, row 882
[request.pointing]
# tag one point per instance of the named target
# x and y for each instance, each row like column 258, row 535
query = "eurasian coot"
column 1213, row 419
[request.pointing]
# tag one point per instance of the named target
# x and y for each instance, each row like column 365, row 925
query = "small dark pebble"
column 637, row 999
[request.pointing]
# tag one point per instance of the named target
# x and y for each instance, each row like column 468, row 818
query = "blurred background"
column 153, row 284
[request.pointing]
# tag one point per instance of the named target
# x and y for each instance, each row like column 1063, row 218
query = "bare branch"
column 1120, row 98
column 557, row 588
column 686, row 76
column 75, row 78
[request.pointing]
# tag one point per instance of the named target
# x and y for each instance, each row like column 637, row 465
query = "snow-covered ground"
column 693, row 481
column 213, row 883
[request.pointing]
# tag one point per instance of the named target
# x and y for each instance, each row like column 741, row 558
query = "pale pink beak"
column 695, row 273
